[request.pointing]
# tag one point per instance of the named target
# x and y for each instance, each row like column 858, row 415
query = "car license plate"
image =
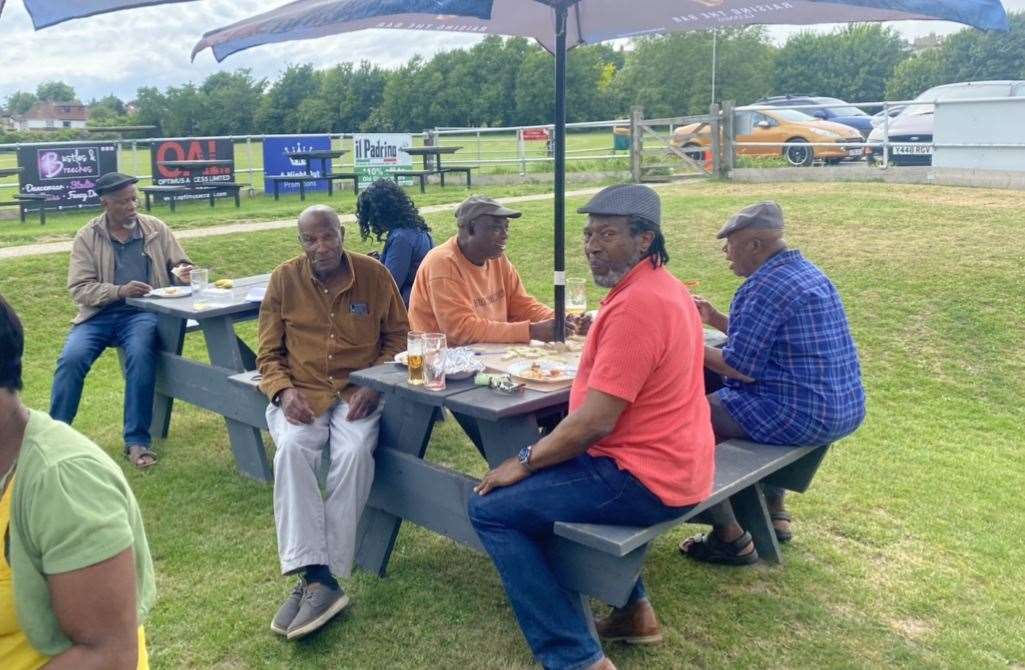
column 854, row 152
column 916, row 150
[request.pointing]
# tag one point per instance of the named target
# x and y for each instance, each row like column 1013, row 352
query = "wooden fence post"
column 636, row 116
column 729, row 136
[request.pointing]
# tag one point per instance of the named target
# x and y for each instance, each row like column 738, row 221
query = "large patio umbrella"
column 557, row 25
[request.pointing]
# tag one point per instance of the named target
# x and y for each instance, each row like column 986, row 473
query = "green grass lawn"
column 907, row 549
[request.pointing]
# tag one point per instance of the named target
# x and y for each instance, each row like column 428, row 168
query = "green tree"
column 585, row 73
column 20, row 102
column 230, row 102
column 852, row 63
column 671, row 75
column 352, row 93
column 968, row 55
column 278, row 111
column 55, row 91
column 150, row 109
column 183, row 114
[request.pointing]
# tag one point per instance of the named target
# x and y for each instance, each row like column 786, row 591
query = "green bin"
column 621, row 139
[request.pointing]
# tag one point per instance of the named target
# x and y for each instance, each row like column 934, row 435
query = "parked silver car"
column 912, row 128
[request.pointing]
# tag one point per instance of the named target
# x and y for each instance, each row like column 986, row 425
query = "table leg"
column 753, row 514
column 302, row 190
column 441, row 173
column 226, row 350
column 405, row 429
column 170, row 339
column 275, row 189
column 423, row 183
column 503, row 438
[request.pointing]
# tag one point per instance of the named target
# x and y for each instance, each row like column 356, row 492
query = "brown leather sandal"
column 708, row 548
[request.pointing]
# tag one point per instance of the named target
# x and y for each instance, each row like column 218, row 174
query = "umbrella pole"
column 561, row 12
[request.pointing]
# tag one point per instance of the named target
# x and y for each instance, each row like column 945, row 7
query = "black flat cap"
column 626, row 200
column 112, row 181
column 763, row 215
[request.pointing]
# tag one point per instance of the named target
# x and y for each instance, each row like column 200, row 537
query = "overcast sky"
column 150, row 46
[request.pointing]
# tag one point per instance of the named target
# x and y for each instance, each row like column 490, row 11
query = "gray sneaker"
column 319, row 603
column 286, row 613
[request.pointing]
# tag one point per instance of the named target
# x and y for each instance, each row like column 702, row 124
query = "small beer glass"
column 415, row 357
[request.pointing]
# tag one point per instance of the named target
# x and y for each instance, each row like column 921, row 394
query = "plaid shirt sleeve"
column 755, row 322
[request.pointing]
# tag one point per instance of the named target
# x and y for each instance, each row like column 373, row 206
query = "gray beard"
column 130, row 225
column 614, row 276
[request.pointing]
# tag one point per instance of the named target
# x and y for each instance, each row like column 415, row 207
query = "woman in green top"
column 74, row 554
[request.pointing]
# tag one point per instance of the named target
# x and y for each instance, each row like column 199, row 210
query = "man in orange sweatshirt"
column 468, row 289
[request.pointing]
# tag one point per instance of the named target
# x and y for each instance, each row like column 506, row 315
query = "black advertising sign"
column 193, row 150
column 66, row 173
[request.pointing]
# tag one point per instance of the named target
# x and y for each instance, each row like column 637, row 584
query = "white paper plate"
column 170, row 292
column 544, row 372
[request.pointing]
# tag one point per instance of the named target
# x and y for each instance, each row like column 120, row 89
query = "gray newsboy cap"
column 626, row 200
column 763, row 215
column 112, row 181
column 479, row 205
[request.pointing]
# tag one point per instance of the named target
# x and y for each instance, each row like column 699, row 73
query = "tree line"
column 509, row 82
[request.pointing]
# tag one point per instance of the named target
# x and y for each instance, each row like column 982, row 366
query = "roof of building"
column 57, row 111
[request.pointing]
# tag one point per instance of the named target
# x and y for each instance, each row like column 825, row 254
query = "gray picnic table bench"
column 593, row 560
column 209, row 385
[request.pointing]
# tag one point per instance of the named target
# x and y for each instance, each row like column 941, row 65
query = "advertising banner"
column 377, row 155
column 193, row 150
column 277, row 162
column 65, row 174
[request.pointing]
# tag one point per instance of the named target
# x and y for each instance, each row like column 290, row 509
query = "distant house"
column 925, row 43
column 53, row 116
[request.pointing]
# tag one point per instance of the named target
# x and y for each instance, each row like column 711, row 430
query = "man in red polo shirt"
column 636, row 448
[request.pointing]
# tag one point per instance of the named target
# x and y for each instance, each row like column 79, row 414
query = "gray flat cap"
column 763, row 215
column 624, row 200
column 479, row 205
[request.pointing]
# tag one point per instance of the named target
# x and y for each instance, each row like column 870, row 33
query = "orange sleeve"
column 453, row 309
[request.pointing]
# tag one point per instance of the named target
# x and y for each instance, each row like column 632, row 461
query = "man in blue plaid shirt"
column 789, row 371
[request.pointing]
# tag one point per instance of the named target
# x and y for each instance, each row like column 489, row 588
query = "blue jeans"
column 514, row 523
column 135, row 333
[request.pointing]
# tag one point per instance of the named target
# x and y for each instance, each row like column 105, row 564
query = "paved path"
column 234, row 228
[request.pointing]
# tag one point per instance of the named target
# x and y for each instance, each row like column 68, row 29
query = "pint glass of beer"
column 576, row 297
column 415, row 357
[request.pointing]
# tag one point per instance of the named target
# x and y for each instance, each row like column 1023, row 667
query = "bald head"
column 319, row 213
column 321, row 235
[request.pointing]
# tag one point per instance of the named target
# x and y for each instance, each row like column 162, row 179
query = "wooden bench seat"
column 23, row 200
column 171, row 190
column 465, row 169
column 276, row 180
column 419, row 174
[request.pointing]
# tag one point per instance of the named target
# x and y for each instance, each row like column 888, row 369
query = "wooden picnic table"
column 209, row 385
column 436, row 152
column 195, row 168
column 7, row 172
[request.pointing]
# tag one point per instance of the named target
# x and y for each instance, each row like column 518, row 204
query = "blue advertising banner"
column 277, row 162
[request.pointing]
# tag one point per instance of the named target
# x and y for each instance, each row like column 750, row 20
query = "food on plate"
column 543, row 371
column 170, row 291
column 224, row 283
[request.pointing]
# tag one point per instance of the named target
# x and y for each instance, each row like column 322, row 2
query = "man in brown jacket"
column 326, row 314
column 119, row 254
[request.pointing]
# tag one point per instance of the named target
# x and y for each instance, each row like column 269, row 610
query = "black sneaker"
column 286, row 613
column 319, row 604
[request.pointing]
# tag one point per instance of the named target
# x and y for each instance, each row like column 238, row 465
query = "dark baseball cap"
column 479, row 205
column 113, row 181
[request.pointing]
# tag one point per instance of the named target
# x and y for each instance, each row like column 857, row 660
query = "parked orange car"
column 779, row 125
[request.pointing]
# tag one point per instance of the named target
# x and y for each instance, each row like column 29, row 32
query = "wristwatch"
column 524, row 457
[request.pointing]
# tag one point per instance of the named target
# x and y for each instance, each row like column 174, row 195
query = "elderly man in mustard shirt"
column 327, row 313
